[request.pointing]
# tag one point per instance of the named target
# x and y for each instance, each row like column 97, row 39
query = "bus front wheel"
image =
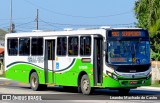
column 85, row 85
column 34, row 82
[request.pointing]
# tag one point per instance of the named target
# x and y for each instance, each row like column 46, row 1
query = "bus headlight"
column 114, row 77
column 111, row 75
column 149, row 75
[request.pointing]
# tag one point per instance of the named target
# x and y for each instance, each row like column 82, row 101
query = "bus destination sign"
column 126, row 34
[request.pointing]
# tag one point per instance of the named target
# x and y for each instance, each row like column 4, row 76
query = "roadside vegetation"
column 148, row 15
column 156, row 84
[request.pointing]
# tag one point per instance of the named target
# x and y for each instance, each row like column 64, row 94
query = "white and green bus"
column 113, row 58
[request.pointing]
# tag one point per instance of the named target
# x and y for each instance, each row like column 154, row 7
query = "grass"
column 156, row 84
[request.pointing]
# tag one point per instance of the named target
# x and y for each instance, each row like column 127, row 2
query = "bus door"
column 98, row 61
column 49, row 61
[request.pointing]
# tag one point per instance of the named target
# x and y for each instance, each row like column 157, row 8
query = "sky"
column 60, row 14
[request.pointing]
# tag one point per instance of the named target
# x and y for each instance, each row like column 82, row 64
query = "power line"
column 18, row 18
column 51, row 24
column 61, row 25
column 17, row 24
column 27, row 27
column 48, row 23
column 80, row 25
column 77, row 16
column 25, row 23
column 21, row 30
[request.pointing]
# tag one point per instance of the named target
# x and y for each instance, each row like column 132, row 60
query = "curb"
column 2, row 78
column 151, row 88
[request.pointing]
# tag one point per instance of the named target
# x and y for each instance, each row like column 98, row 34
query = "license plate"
column 133, row 82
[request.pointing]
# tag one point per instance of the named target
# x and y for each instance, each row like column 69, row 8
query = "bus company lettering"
column 36, row 59
column 83, row 67
column 131, row 33
column 126, row 34
column 115, row 33
column 118, row 60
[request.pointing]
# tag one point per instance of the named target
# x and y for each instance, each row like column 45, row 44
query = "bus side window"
column 73, row 46
column 61, row 46
column 24, row 46
column 85, row 45
column 37, row 46
column 12, row 46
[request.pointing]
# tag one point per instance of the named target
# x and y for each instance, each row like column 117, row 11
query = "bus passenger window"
column 73, row 46
column 85, row 45
column 61, row 46
column 24, row 46
column 37, row 46
column 12, row 46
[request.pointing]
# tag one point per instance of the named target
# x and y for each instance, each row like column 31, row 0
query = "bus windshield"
column 129, row 52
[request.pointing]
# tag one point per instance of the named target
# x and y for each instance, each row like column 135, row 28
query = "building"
column 1, row 55
column 1, row 50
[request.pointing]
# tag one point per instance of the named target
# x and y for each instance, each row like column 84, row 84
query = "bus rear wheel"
column 34, row 82
column 85, row 85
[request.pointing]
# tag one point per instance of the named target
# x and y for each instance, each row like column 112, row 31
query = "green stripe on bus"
column 20, row 62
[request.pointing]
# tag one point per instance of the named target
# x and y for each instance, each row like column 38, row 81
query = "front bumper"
column 109, row 82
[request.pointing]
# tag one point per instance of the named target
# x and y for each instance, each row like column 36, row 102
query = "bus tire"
column 124, row 91
column 34, row 82
column 85, row 85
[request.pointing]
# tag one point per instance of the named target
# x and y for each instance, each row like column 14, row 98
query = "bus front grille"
column 133, row 68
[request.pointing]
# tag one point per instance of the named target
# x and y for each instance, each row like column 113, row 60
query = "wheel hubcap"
column 34, row 81
column 85, row 85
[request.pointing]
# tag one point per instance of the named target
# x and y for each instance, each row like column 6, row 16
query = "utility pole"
column 10, row 27
column 37, row 20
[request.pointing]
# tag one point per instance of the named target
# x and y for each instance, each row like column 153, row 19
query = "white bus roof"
column 83, row 31
column 127, row 28
column 56, row 33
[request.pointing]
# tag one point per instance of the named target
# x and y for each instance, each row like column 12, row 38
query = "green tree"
column 148, row 15
column 2, row 32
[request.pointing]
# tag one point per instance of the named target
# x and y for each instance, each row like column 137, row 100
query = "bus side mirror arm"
column 105, row 46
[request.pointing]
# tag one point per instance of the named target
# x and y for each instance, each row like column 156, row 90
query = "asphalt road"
column 58, row 93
